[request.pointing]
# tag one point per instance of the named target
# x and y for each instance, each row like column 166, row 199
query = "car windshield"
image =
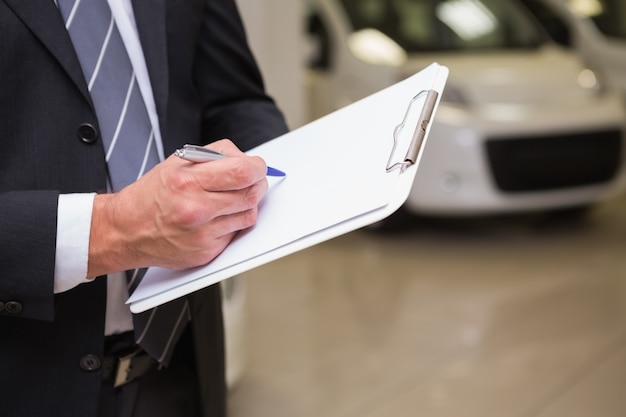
column 608, row 15
column 447, row 25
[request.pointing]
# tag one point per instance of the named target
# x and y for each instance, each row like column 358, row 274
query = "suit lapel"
column 44, row 20
column 151, row 25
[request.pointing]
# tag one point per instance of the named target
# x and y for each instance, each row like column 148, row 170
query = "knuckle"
column 244, row 172
column 186, row 213
column 253, row 196
column 178, row 180
column 249, row 218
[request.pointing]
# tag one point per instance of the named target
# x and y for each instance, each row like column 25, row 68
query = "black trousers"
column 166, row 392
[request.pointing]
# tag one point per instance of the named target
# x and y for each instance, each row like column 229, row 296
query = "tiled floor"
column 491, row 318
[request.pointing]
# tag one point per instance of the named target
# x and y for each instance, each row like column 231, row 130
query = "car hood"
column 543, row 76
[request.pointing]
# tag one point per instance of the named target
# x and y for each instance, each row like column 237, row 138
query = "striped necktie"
column 128, row 139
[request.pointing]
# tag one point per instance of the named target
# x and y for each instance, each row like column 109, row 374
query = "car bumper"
column 543, row 159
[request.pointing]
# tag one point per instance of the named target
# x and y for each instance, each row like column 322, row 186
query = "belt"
column 120, row 370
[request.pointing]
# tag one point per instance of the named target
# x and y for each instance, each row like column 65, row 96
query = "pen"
column 195, row 153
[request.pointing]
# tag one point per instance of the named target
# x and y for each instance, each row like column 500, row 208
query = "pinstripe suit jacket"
column 206, row 87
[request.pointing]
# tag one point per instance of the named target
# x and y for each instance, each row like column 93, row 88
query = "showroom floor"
column 522, row 317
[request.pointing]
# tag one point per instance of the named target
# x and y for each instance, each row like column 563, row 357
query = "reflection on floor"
column 490, row 318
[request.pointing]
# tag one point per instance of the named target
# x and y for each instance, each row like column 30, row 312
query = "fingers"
column 204, row 244
column 233, row 173
column 197, row 207
column 216, row 188
column 224, row 228
column 226, row 203
column 236, row 171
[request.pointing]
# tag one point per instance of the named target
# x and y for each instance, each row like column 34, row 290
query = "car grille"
column 552, row 162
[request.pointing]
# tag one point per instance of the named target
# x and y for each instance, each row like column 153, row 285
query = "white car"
column 596, row 28
column 522, row 125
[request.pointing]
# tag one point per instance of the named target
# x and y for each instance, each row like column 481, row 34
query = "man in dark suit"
column 206, row 86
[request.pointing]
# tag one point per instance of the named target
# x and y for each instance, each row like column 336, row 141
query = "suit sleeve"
column 27, row 251
column 234, row 102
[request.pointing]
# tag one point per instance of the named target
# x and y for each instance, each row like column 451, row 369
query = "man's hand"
column 178, row 215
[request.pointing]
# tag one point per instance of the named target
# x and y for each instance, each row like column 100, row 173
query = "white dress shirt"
column 74, row 210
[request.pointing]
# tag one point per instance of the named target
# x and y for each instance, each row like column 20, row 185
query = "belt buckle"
column 123, row 369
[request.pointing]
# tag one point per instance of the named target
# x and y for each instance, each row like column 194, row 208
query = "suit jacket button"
column 90, row 363
column 13, row 307
column 87, row 133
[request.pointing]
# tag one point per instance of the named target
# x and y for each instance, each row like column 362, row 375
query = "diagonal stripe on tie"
column 128, row 139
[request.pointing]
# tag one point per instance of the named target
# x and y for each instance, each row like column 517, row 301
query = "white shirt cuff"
column 72, row 252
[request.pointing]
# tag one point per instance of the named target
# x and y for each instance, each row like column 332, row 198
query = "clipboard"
column 346, row 170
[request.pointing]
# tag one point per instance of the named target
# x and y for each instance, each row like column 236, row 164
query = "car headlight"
column 376, row 48
column 588, row 79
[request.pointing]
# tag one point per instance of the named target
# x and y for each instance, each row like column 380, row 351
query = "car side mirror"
column 321, row 50
column 552, row 23
column 559, row 31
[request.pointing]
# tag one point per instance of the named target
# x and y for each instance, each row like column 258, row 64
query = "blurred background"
column 499, row 288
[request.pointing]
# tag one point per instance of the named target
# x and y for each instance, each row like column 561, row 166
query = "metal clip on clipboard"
column 418, row 135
